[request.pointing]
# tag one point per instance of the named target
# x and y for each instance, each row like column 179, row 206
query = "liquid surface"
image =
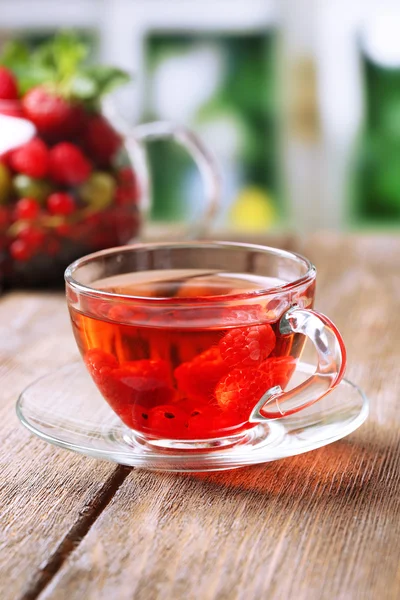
column 187, row 372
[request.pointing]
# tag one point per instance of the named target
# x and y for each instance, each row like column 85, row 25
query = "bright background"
column 298, row 99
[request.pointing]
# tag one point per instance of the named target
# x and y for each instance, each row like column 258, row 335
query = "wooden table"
column 321, row 525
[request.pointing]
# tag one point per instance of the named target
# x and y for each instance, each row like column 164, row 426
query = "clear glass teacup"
column 194, row 343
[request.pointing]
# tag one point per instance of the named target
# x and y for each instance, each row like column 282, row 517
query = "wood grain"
column 45, row 493
column 322, row 525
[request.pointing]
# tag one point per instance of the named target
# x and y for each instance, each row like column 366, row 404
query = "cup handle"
column 331, row 352
column 201, row 156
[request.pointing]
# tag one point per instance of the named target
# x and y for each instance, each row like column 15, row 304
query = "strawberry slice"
column 135, row 416
column 247, row 346
column 197, row 379
column 168, row 421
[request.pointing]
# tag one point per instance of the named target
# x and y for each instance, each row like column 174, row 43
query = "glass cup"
column 193, row 344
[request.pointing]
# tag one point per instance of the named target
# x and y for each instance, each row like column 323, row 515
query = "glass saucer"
column 65, row 409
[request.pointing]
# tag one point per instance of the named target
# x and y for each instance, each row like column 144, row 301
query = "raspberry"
column 31, row 159
column 241, row 389
column 101, row 141
column 197, row 379
column 26, row 209
column 247, row 346
column 168, row 421
column 97, row 360
column 68, row 164
column 8, row 85
column 51, row 113
column 279, row 368
column 61, row 203
column 240, row 314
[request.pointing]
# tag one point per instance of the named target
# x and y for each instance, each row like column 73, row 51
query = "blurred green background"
column 281, row 134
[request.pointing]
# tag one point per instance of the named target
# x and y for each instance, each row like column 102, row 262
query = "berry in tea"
column 185, row 371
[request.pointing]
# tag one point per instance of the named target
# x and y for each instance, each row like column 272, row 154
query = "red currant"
column 32, row 236
column 61, row 203
column 52, row 247
column 20, row 250
column 64, row 229
column 26, row 209
column 4, row 217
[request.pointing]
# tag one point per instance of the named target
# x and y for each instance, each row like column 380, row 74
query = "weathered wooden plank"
column 321, row 525
column 45, row 493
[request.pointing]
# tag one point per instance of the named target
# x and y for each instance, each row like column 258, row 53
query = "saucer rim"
column 250, row 455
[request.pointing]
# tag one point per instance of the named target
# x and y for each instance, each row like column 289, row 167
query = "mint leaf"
column 18, row 59
column 107, row 78
column 15, row 55
column 61, row 56
column 83, row 87
column 59, row 63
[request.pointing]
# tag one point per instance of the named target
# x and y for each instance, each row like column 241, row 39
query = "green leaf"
column 83, row 87
column 60, row 64
column 107, row 78
column 61, row 55
column 15, row 55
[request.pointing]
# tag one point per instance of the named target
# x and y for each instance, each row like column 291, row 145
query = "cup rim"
column 87, row 290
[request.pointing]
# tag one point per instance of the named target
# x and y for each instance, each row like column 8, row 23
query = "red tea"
column 185, row 369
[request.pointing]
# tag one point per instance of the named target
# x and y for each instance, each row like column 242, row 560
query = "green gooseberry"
column 28, row 187
column 98, row 190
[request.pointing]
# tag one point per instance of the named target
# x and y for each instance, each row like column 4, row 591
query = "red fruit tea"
column 179, row 367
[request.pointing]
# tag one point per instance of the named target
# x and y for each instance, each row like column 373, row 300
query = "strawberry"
column 101, row 140
column 11, row 108
column 31, row 159
column 197, row 379
column 247, row 346
column 68, row 164
column 8, row 85
column 51, row 113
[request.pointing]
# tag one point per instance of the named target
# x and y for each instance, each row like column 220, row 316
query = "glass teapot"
column 63, row 198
